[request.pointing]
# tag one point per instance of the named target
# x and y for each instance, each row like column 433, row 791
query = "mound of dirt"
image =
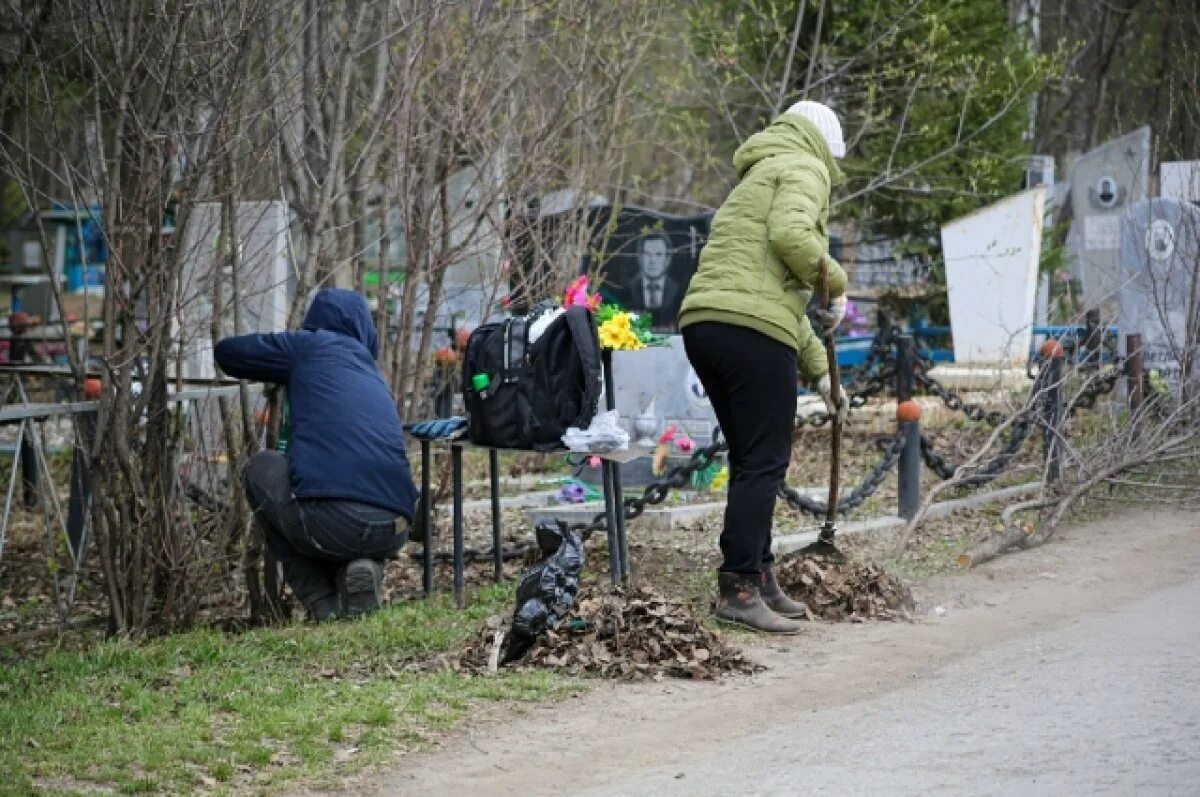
column 629, row 633
column 853, row 591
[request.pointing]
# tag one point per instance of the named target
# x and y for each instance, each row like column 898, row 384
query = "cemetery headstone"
column 1160, row 256
column 1180, row 180
column 1104, row 182
column 656, row 388
column 662, row 379
column 265, row 288
column 264, row 279
column 646, row 259
column 991, row 277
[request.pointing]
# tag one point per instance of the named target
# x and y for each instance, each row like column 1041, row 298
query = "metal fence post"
column 456, row 467
column 908, row 416
column 1137, row 372
column 30, row 476
column 426, row 519
column 614, row 505
column 610, row 400
column 497, row 537
column 1053, row 409
column 1093, row 341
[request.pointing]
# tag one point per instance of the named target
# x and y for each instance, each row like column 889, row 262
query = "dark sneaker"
column 360, row 585
column 739, row 603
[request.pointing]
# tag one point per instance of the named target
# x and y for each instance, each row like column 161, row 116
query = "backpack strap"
column 587, row 345
column 516, row 349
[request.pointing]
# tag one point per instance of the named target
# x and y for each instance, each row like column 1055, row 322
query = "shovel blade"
column 824, row 546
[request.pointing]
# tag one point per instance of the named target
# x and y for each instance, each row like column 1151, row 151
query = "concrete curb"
column 793, row 542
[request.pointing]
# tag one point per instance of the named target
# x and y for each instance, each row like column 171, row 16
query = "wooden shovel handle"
column 835, row 390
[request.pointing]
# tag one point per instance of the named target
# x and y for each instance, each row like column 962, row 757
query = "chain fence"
column 876, row 375
column 874, row 479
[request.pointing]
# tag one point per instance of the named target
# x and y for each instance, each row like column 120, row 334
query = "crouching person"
column 339, row 504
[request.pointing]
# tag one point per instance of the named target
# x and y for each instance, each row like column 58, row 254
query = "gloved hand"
column 832, row 315
column 840, row 408
column 439, row 429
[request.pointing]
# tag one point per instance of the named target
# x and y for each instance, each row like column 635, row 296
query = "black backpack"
column 525, row 395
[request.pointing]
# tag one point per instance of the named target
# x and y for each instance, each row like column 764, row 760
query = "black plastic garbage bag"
column 547, row 591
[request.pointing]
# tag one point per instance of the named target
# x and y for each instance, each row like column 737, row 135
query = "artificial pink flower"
column 684, row 444
column 593, row 462
column 667, row 436
column 577, row 293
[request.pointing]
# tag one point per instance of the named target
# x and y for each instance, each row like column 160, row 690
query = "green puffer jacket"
column 763, row 258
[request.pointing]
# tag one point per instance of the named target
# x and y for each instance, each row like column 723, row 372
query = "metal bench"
column 614, row 499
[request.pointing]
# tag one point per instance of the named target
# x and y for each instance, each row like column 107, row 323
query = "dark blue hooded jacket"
column 346, row 437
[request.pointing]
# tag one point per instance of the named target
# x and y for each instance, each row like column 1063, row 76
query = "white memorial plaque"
column 1102, row 233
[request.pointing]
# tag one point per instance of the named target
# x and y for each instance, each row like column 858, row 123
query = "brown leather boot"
column 777, row 599
column 739, row 603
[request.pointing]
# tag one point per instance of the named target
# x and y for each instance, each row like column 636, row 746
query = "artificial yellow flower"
column 617, row 334
column 721, row 480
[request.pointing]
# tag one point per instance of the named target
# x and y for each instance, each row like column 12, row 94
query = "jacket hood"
column 788, row 135
column 344, row 312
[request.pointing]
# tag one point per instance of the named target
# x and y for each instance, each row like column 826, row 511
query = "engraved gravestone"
column 1160, row 254
column 656, row 388
column 1105, row 182
column 1180, row 180
column 661, row 380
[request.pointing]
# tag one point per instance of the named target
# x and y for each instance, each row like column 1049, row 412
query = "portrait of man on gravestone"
column 652, row 289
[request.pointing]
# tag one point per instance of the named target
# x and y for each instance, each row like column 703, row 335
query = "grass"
column 248, row 712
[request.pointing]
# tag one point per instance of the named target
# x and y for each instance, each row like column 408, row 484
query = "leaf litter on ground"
column 844, row 590
column 632, row 633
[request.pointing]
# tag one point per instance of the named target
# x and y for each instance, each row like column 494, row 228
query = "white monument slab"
column 1160, row 293
column 264, row 279
column 1180, row 180
column 1104, row 182
column 991, row 277
column 661, row 380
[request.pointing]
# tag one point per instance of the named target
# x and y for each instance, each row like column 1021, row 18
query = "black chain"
column 936, row 462
column 875, row 477
column 1022, row 427
column 954, row 401
column 1097, row 386
column 1021, row 430
column 859, row 390
column 676, row 478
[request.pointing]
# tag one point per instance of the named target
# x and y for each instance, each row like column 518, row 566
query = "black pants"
column 751, row 381
column 311, row 539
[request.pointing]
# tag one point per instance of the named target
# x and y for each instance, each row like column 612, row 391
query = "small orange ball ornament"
column 908, row 411
column 445, row 356
column 1052, row 348
column 91, row 388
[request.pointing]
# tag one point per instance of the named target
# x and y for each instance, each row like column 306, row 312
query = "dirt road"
column 1072, row 669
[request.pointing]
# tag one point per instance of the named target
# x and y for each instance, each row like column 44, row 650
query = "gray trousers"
column 312, row 538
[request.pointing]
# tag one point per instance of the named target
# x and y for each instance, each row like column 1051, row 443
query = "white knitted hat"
column 826, row 121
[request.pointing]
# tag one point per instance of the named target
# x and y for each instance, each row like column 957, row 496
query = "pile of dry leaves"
column 835, row 590
column 632, row 633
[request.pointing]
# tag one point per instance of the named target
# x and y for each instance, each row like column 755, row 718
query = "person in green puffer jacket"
column 746, row 335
